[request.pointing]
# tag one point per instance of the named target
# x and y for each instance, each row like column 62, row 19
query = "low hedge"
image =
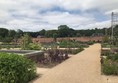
column 16, row 69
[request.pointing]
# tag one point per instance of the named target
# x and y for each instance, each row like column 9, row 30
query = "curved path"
column 81, row 68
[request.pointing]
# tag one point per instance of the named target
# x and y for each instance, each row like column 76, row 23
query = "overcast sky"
column 34, row 15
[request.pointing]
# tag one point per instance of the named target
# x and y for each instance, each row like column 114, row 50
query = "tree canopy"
column 62, row 31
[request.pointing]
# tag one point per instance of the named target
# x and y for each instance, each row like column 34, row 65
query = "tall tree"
column 3, row 32
column 63, row 31
column 12, row 33
column 25, row 41
column 42, row 32
column 19, row 32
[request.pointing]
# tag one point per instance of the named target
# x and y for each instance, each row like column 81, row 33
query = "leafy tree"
column 3, row 32
column 25, row 41
column 55, row 37
column 19, row 33
column 42, row 32
column 50, row 33
column 12, row 33
column 65, row 31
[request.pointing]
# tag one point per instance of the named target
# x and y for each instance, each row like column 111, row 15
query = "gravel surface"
column 84, row 67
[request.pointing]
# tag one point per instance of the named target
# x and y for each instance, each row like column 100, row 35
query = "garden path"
column 81, row 68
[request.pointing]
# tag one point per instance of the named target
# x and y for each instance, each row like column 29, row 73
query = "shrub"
column 34, row 46
column 69, row 44
column 90, row 42
column 110, row 68
column 115, row 57
column 16, row 69
column 77, row 51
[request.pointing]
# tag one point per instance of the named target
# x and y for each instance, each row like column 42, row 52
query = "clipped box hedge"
column 16, row 69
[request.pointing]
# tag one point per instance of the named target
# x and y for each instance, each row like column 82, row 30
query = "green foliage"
column 25, row 41
column 75, row 51
column 69, row 44
column 8, row 45
column 34, row 46
column 42, row 32
column 55, row 37
column 110, row 68
column 12, row 33
column 106, row 39
column 65, row 31
column 110, row 64
column 50, row 33
column 3, row 32
column 16, row 69
column 105, row 45
column 113, row 57
column 72, row 44
column 90, row 42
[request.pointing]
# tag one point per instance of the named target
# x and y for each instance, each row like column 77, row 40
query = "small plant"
column 16, row 69
column 75, row 51
column 110, row 68
column 90, row 42
column 34, row 46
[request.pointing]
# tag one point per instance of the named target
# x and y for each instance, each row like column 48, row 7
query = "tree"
column 19, row 32
column 63, row 31
column 12, row 33
column 50, row 33
column 3, row 32
column 25, row 41
column 42, row 32
column 55, row 37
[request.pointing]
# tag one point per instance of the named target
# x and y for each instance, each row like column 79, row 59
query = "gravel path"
column 81, row 68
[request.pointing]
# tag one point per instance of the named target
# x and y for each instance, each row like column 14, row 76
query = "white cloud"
column 27, row 14
column 103, row 24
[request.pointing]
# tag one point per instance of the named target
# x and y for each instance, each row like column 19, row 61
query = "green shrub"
column 69, row 44
column 109, row 67
column 16, row 69
column 90, row 42
column 106, row 45
column 77, row 51
column 34, row 46
column 113, row 57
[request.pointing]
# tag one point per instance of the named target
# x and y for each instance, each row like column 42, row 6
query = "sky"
column 35, row 15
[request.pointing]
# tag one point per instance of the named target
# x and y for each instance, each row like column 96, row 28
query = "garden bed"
column 31, row 54
column 109, row 63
